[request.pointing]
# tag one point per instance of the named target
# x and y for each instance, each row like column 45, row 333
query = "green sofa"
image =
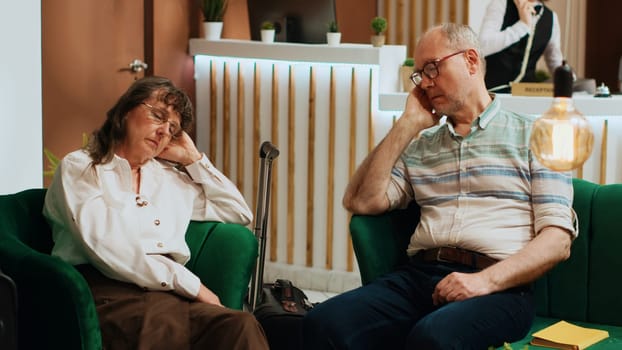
column 55, row 305
column 584, row 290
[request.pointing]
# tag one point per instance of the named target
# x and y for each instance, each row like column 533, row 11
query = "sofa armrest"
column 55, row 305
column 223, row 256
column 380, row 241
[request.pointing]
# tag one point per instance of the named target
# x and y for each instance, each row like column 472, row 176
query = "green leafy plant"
column 542, row 75
column 213, row 10
column 333, row 27
column 379, row 25
column 267, row 25
column 409, row 62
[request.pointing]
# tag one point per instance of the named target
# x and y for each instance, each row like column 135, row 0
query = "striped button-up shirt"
column 485, row 191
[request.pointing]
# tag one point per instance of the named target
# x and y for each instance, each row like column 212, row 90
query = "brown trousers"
column 132, row 318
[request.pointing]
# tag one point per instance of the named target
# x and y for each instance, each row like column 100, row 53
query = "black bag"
column 281, row 298
column 280, row 311
column 279, row 307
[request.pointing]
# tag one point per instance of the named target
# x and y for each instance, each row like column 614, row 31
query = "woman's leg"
column 215, row 327
column 131, row 318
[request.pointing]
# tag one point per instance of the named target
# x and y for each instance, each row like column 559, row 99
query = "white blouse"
column 492, row 39
column 97, row 218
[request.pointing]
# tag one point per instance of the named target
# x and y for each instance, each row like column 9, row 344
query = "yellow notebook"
column 564, row 335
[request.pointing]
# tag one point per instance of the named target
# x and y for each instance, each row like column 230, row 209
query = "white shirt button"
column 160, row 244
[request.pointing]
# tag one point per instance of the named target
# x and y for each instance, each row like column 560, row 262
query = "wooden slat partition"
column 387, row 14
column 352, row 158
column 256, row 127
column 240, row 130
column 291, row 164
column 303, row 234
column 439, row 13
column 465, row 11
column 226, row 116
column 330, row 189
column 370, row 117
column 399, row 22
column 412, row 27
column 425, row 11
column 453, row 10
column 213, row 111
column 311, row 169
column 275, row 178
column 408, row 19
column 603, row 154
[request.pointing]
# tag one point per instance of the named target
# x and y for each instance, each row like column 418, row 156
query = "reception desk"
column 605, row 163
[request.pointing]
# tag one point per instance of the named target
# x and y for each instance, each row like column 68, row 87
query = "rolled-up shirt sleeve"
column 551, row 196
column 399, row 192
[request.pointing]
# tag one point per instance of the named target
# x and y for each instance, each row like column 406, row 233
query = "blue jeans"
column 396, row 312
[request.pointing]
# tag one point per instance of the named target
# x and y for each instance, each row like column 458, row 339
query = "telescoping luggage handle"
column 267, row 152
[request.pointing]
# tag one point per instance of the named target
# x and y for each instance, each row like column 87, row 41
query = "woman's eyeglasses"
column 160, row 117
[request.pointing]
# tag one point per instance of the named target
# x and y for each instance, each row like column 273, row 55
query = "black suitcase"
column 8, row 313
column 279, row 307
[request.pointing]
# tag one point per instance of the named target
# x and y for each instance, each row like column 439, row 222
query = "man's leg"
column 376, row 316
column 475, row 323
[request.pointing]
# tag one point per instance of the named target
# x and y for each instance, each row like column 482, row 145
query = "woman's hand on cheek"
column 181, row 150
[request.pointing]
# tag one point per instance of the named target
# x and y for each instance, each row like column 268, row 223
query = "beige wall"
column 20, row 96
column 354, row 28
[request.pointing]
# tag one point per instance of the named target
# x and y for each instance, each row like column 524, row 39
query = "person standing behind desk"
column 504, row 36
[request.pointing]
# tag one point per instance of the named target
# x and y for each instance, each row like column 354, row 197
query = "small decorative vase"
column 333, row 39
column 212, row 30
column 267, row 35
column 377, row 40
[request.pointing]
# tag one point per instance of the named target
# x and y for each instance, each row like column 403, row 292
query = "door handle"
column 137, row 65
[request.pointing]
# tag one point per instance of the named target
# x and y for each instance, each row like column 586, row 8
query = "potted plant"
column 378, row 25
column 333, row 36
column 213, row 12
column 267, row 32
column 406, row 70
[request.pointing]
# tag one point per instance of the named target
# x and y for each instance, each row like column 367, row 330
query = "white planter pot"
column 267, row 35
column 212, row 30
column 333, row 39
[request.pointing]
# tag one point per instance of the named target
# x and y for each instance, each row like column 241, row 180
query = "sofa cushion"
column 605, row 301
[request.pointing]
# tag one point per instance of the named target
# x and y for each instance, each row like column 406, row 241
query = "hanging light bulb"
column 562, row 138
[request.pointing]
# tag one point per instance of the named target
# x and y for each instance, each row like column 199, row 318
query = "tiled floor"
column 318, row 296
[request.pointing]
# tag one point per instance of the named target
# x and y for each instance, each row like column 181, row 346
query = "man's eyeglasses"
column 160, row 117
column 430, row 69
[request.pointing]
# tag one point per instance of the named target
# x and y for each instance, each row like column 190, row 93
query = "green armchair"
column 55, row 305
column 585, row 289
